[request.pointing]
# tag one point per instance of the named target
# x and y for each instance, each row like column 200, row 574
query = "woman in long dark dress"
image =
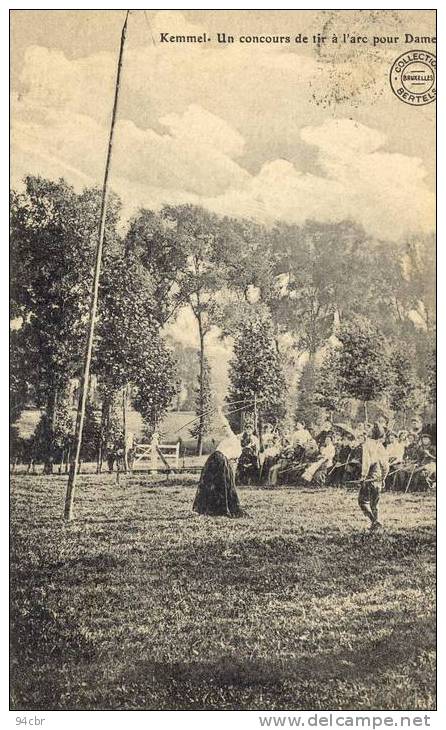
column 216, row 493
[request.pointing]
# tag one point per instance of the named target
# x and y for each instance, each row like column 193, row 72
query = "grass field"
column 141, row 604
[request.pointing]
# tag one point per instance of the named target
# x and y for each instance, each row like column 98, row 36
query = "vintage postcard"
column 223, row 362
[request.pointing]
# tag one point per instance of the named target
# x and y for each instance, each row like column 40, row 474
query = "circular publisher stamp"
column 413, row 77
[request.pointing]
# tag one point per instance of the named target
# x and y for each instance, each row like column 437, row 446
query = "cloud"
column 84, row 85
column 182, row 137
column 183, row 160
column 337, row 136
column 385, row 192
column 198, row 127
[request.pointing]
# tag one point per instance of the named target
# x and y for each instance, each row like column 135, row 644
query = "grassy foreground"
column 141, row 604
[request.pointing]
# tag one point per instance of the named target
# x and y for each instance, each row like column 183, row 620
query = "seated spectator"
column 317, row 471
column 302, row 438
column 269, row 455
column 384, row 422
column 416, row 426
column 292, row 455
column 342, row 467
column 278, row 461
column 418, row 472
column 395, row 448
column 248, row 463
column 428, row 461
column 363, row 430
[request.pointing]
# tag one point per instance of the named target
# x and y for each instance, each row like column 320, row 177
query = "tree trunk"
column 124, row 428
column 366, row 414
column 201, row 387
column 336, row 320
column 61, row 465
column 105, row 413
column 51, row 412
column 99, row 459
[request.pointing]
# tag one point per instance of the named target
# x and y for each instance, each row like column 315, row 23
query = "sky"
column 271, row 132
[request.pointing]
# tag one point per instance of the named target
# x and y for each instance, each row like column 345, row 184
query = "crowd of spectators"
column 335, row 455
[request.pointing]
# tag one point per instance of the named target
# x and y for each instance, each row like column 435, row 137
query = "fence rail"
column 166, row 452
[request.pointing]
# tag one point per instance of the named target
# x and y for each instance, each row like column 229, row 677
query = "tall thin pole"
column 124, row 427
column 71, row 486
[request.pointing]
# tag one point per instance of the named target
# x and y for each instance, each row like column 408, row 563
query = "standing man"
column 375, row 467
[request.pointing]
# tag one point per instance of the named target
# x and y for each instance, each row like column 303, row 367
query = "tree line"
column 358, row 312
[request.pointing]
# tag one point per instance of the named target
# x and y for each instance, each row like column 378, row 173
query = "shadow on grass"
column 322, row 681
column 368, row 677
column 321, row 562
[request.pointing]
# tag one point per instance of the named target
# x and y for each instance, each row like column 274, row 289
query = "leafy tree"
column 21, row 372
column 405, row 388
column 196, row 232
column 364, row 370
column 322, row 276
column 388, row 371
column 114, row 433
column 308, row 410
column 431, row 375
column 53, row 235
column 129, row 349
column 414, row 374
column 318, row 392
column 299, row 284
column 420, row 270
column 177, row 248
column 331, row 272
column 52, row 439
column 327, row 393
column 256, row 370
column 152, row 240
column 155, row 389
column 244, row 256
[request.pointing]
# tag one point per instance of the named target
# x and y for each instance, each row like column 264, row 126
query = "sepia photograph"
column 223, row 424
